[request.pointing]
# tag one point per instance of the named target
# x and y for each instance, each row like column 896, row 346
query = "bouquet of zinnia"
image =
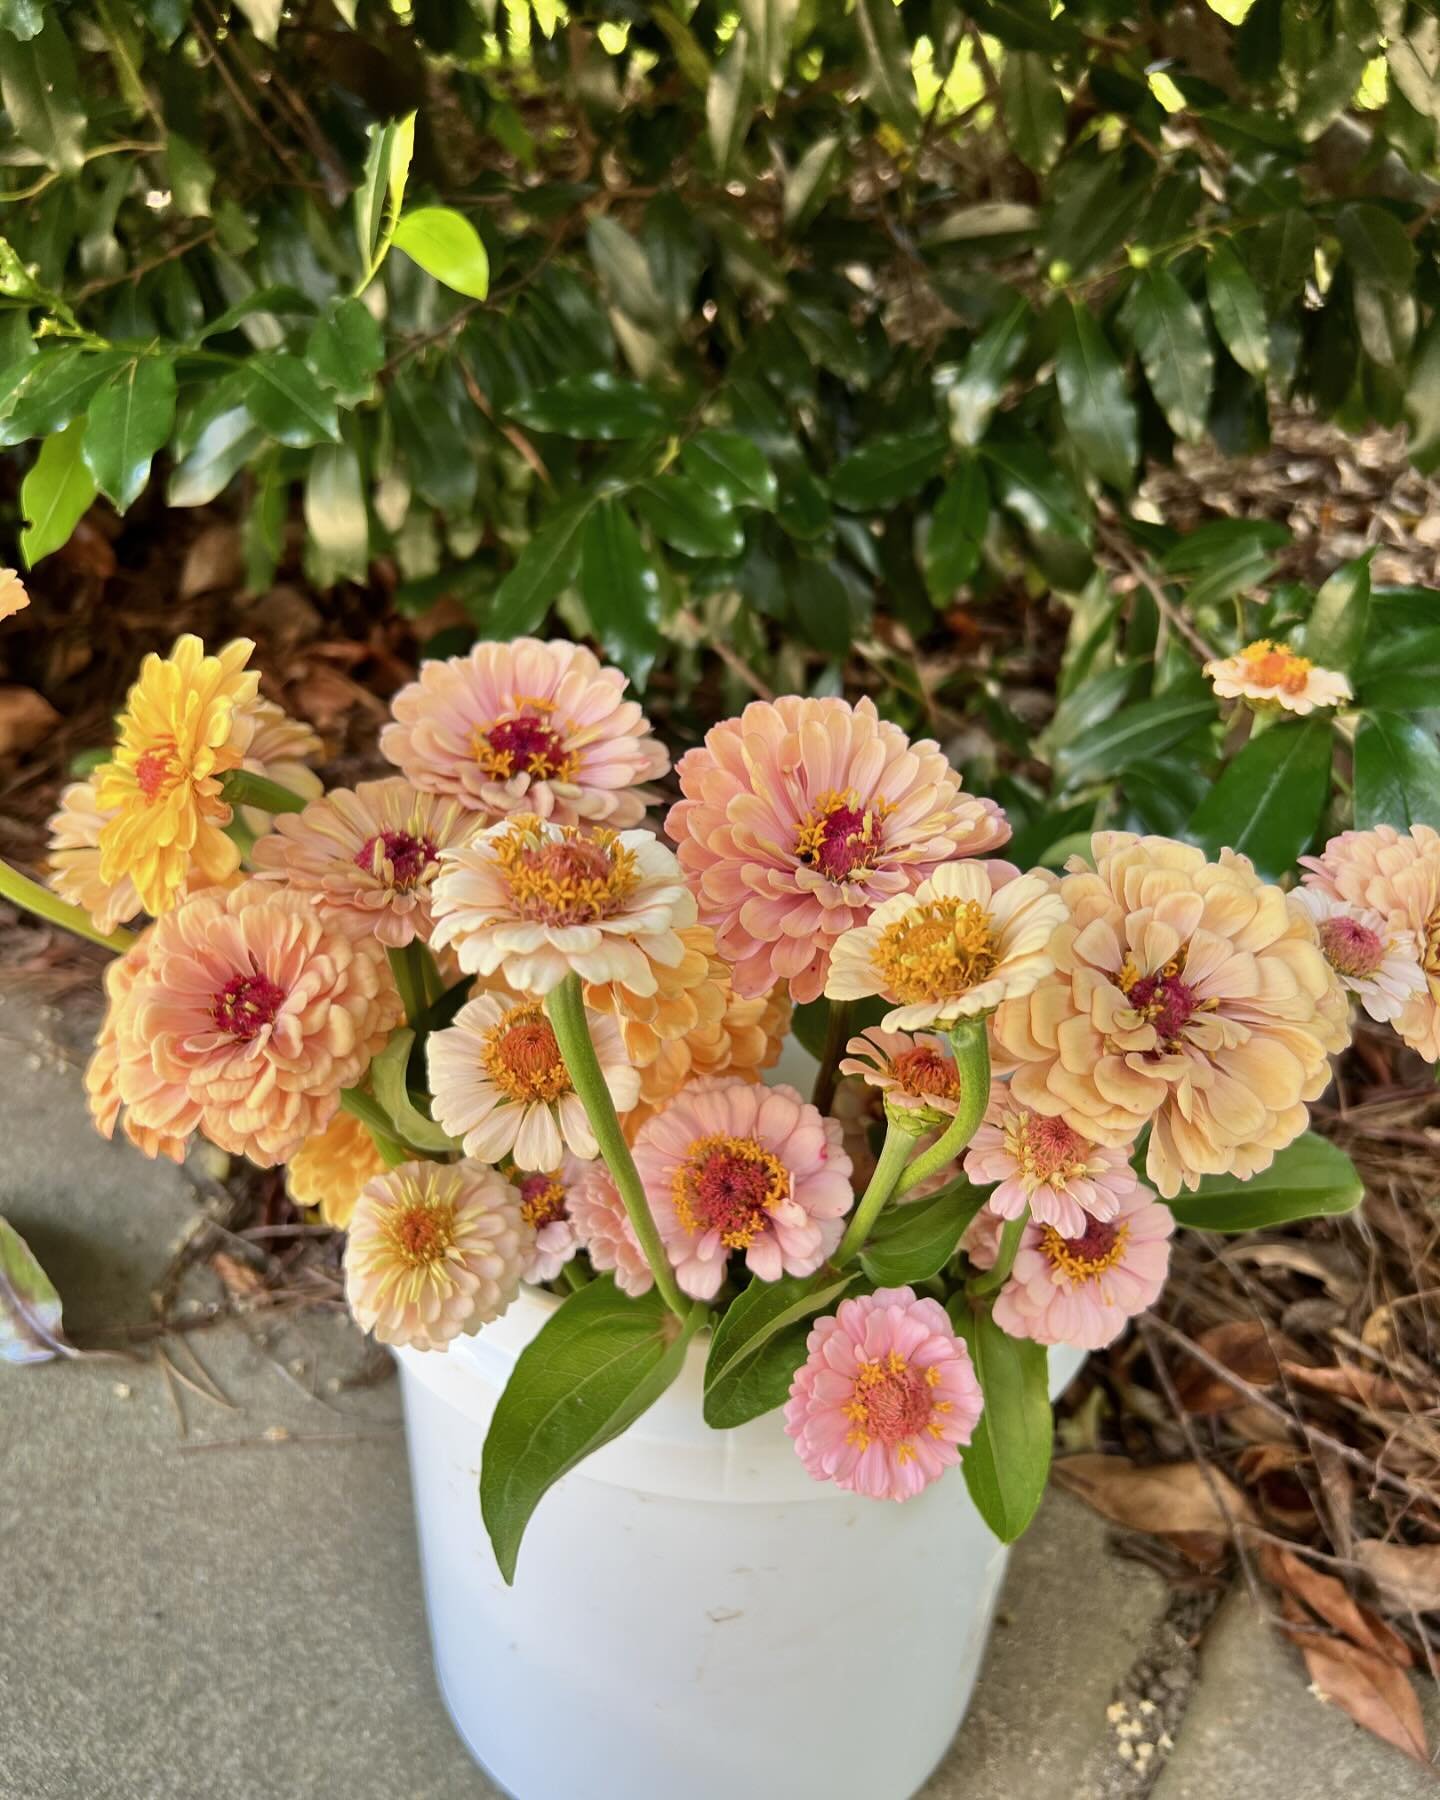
column 501, row 1033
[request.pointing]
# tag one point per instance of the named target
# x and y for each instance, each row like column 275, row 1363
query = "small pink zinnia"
column 370, row 852
column 526, row 727
column 1045, row 1164
column 545, row 1204
column 1375, row 960
column 803, row 815
column 599, row 1216
column 728, row 1165
column 914, row 1074
column 1081, row 1290
column 885, row 1396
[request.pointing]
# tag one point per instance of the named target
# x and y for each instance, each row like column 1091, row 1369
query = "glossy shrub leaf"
column 1174, row 350
column 621, row 590
column 730, row 102
column 345, row 350
column 598, row 1363
column 546, row 565
column 732, row 468
column 822, row 606
column 129, row 420
column 911, row 1243
column 1268, row 802
column 957, row 532
column 886, row 80
column 288, row 403
column 57, row 388
column 759, row 1342
column 1135, row 735
column 381, row 192
column 56, row 493
column 336, row 515
column 1238, row 310
column 1007, row 1461
column 1400, row 671
column 596, row 404
column 1308, row 1178
column 38, row 86
column 688, row 517
column 1224, row 558
column 1033, row 109
column 972, row 390
column 1397, row 773
column 887, row 470
column 30, row 1328
column 227, row 443
column 1026, row 483
column 22, row 18
column 447, row 246
column 1099, row 413
column 1336, row 629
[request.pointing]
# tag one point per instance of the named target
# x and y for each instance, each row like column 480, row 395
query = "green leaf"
column 23, row 19
column 888, row 469
column 957, row 532
column 1335, row 630
column 1238, row 310
column 58, row 387
column 1397, row 773
column 30, row 1328
column 229, row 441
column 288, row 402
column 1028, row 485
column 381, row 192
column 388, row 1079
column 55, row 494
column 686, row 516
column 37, row 84
column 544, row 567
column 130, row 419
column 1224, row 558
column 811, row 182
column 1422, row 402
column 1007, row 1461
column 1134, row 735
column 1285, row 253
column 447, row 246
column 335, row 514
column 822, row 606
column 732, row 468
column 345, row 350
column 1174, row 350
column 1269, row 802
column 973, row 390
column 911, row 1243
column 192, row 176
column 1308, row 1179
column 625, row 273
column 1033, row 108
column 596, row 404
column 758, row 1335
column 621, row 590
column 1099, row 413
column 599, row 1362
column 887, row 82
column 1377, row 246
column 769, row 24
column 729, row 103
column 1400, row 671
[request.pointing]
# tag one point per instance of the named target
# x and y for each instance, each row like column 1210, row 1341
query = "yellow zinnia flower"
column 162, row 785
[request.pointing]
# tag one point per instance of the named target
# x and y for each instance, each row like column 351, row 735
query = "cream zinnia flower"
column 1271, row 677
column 75, row 860
column 281, row 749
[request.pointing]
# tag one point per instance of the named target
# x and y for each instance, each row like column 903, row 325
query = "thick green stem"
column 50, row 907
column 837, row 1035
column 882, row 1185
column 412, row 968
column 565, row 1006
column 995, row 1278
column 972, row 1064
column 241, row 788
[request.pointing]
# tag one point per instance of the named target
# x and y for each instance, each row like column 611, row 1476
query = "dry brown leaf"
column 1245, row 1347
column 241, row 1281
column 1374, row 1693
column 1365, row 1386
column 1330, row 1600
column 25, row 719
column 215, row 559
column 1169, row 1498
column 1258, row 1460
column 1406, row 1576
column 1330, row 1264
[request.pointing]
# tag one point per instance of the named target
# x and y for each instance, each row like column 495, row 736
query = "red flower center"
column 246, row 1005
column 152, row 772
column 408, row 857
column 1351, row 947
column 730, row 1185
column 524, row 745
column 840, row 836
column 542, row 1200
column 1165, row 1000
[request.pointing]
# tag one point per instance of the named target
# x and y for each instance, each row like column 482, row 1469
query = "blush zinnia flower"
column 75, row 860
column 498, row 1081
column 972, row 935
column 371, row 852
column 13, row 598
column 281, row 749
column 1045, row 1164
column 545, row 1203
column 1376, row 961
column 1187, row 993
column 800, row 817
column 538, row 902
column 1275, row 679
column 886, row 1394
column 1081, row 1289
column 913, row 1074
column 250, row 1017
column 1397, row 875
column 604, row 1228
column 329, row 1170
column 118, row 1046
column 526, row 727
column 728, row 1165
column 161, row 791
column 435, row 1250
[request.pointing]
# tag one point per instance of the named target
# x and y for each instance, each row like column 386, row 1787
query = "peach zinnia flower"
column 1273, row 678
column 731, row 1166
column 499, row 1082
column 913, row 1074
column 281, row 749
column 435, row 1250
column 526, row 727
column 329, row 1170
column 370, row 852
column 689, row 997
column 1081, row 1289
column 800, row 817
column 1376, row 961
column 162, row 787
column 13, row 598
column 970, row 936
column 605, row 1230
column 538, row 902
column 545, row 1202
column 884, row 1396
column 1187, row 993
column 1045, row 1164
column 117, row 1045
column 251, row 1016
column 75, row 860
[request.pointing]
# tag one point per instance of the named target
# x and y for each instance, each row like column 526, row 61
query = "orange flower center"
column 839, row 836
column 152, row 773
column 523, row 1059
column 923, row 1071
column 893, row 1403
column 1099, row 1247
column 573, row 880
column 1270, row 665
column 937, row 951
column 247, row 1004
column 397, row 858
column 1048, row 1152
column 420, row 1227
column 1350, row 947
column 730, row 1185
column 542, row 1200
column 524, row 745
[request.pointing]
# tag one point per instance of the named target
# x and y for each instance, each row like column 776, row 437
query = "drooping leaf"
column 957, row 531
column 1033, row 108
column 972, row 391
column 1397, row 773
column 1268, row 802
column 732, row 468
column 1099, row 413
column 58, row 387
column 621, row 590
column 55, row 494
column 223, row 448
column 887, row 81
column 911, row 1243
column 1007, row 1460
column 1307, row 1179
column 1238, row 310
column 685, row 515
column 129, row 420
column 759, row 1342
column 887, row 470
column 30, row 1328
column 38, row 86
column 336, row 515
column 345, row 349
column 447, row 246
column 547, row 564
column 287, row 401
column 730, row 102
column 1135, row 735
column 1174, row 350
column 388, row 1079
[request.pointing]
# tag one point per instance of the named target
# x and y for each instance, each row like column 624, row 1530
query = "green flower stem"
column 882, row 1185
column 55, row 911
column 417, row 977
column 241, row 788
column 972, row 1063
column 995, row 1278
column 837, row 1035
column 565, row 1006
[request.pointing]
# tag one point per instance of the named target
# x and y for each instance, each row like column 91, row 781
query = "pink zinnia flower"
column 800, row 817
column 1045, row 1164
column 545, row 1203
column 526, row 727
column 914, row 1074
column 604, row 1227
column 370, row 852
column 1081, row 1290
column 1376, row 960
column 884, row 1397
column 728, row 1165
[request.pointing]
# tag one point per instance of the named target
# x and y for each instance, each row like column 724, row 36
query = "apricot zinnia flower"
column 526, row 727
column 499, row 1082
column 370, row 852
column 1273, row 678
column 1187, row 993
column 1045, row 1164
column 435, row 1250
column 538, row 902
column 914, row 1074
column 731, row 1166
column 800, row 817
column 13, row 598
column 251, row 1015
column 884, row 1396
column 162, row 787
column 970, row 936
column 605, row 1230
column 117, row 1045
column 75, row 860
column 329, row 1170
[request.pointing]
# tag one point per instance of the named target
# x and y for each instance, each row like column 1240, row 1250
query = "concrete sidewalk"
column 237, row 1612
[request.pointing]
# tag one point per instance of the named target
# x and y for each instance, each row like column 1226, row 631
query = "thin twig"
column 1117, row 541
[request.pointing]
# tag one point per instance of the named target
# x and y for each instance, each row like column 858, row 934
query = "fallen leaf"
column 1406, row 1576
column 241, row 1281
column 25, row 719
column 1332, row 1601
column 1167, row 1497
column 30, row 1329
column 1365, row 1386
column 1374, row 1693
column 1248, row 1349
column 1333, row 1265
column 215, row 559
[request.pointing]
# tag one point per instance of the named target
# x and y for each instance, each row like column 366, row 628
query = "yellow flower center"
column 523, row 1059
column 937, row 951
column 525, row 742
column 1047, row 1152
column 839, row 836
column 1083, row 1258
column 925, row 1073
column 420, row 1227
column 892, row 1404
column 1271, row 665
column 542, row 1200
column 573, row 880
column 730, row 1185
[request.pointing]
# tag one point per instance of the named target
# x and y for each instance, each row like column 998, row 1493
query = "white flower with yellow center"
column 1271, row 677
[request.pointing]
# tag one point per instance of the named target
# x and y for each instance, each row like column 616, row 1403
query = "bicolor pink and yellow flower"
column 604, row 1228
column 1044, row 1163
column 915, row 1074
column 546, row 1202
